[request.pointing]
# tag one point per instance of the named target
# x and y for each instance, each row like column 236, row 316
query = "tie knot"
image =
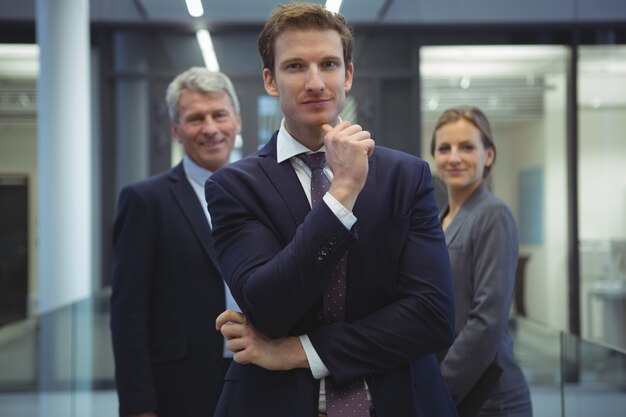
column 313, row 160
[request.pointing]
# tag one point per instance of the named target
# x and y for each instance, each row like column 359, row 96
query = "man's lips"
column 316, row 101
column 212, row 142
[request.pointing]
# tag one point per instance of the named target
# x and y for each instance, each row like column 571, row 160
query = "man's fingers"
column 241, row 357
column 236, row 345
column 345, row 131
column 229, row 316
column 327, row 127
column 370, row 144
column 230, row 331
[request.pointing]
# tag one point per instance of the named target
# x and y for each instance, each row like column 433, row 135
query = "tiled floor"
column 546, row 403
column 88, row 404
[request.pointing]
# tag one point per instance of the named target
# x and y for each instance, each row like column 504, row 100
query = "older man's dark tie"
column 349, row 399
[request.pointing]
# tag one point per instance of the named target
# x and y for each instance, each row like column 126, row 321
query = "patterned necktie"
column 349, row 399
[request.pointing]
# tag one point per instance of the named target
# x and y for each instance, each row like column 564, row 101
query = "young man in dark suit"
column 167, row 286
column 340, row 267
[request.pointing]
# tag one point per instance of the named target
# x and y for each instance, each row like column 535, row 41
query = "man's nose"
column 209, row 126
column 314, row 82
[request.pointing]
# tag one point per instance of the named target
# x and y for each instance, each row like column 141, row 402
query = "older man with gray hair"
column 167, row 286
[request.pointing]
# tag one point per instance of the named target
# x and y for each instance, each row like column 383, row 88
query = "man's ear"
column 174, row 130
column 238, row 123
column 269, row 83
column 349, row 72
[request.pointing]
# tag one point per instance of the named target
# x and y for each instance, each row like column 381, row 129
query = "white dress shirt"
column 197, row 176
column 287, row 147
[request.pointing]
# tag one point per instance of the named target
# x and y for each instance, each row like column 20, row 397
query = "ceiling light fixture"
column 333, row 5
column 194, row 7
column 208, row 52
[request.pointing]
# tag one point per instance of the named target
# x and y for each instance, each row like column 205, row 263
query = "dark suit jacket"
column 167, row 292
column 277, row 255
column 483, row 245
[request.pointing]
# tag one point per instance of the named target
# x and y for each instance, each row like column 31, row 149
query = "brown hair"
column 302, row 16
column 477, row 118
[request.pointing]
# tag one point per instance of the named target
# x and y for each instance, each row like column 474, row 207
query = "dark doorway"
column 13, row 248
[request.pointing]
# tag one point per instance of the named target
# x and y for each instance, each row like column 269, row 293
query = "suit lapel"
column 188, row 203
column 455, row 226
column 286, row 183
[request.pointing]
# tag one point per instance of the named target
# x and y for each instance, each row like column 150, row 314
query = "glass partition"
column 18, row 353
column 61, row 364
column 569, row 376
column 522, row 90
column 602, row 192
column 595, row 383
column 538, row 352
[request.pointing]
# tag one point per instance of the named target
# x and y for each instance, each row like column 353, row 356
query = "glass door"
column 522, row 90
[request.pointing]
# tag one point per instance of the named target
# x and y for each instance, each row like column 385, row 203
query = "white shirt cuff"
column 318, row 369
column 344, row 215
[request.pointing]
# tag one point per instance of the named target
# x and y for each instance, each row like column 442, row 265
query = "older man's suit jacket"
column 167, row 292
column 277, row 255
column 483, row 243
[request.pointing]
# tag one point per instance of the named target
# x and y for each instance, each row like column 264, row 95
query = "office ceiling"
column 222, row 12
column 488, row 76
column 231, row 11
column 19, row 63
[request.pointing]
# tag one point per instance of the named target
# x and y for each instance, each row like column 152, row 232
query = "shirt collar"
column 195, row 172
column 287, row 146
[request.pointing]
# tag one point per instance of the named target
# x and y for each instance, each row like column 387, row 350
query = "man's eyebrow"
column 290, row 59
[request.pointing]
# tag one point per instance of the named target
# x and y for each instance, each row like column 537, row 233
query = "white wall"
column 602, row 180
column 555, row 203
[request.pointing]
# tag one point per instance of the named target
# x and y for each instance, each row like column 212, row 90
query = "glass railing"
column 538, row 352
column 61, row 364
column 569, row 376
column 594, row 379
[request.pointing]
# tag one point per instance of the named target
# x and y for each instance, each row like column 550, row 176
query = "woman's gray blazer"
column 483, row 244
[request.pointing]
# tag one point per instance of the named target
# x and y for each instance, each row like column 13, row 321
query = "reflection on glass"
column 602, row 192
column 595, row 382
column 538, row 353
column 61, row 364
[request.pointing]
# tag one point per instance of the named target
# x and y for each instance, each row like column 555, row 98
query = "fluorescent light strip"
column 194, row 7
column 333, row 5
column 208, row 53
